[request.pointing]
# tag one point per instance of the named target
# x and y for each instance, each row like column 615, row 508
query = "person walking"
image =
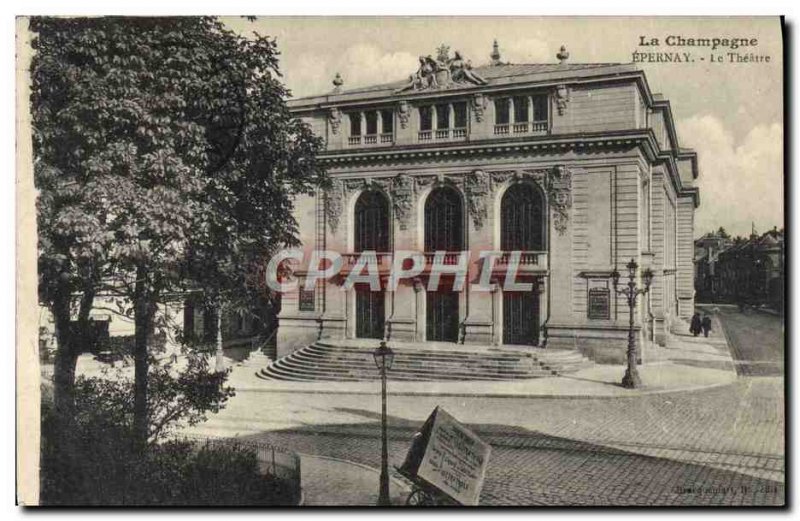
column 695, row 325
column 706, row 325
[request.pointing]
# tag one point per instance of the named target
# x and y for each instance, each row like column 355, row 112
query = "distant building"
column 751, row 271
column 576, row 165
column 706, row 253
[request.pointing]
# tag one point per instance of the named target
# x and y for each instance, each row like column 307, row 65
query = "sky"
column 730, row 113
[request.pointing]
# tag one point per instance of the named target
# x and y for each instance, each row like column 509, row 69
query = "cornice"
column 582, row 142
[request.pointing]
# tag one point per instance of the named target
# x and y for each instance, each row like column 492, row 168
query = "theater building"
column 577, row 166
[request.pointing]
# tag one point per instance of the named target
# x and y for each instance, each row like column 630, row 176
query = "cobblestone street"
column 722, row 445
column 756, row 340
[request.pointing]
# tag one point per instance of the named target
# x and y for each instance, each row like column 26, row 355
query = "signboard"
column 599, row 301
column 450, row 457
column 306, row 300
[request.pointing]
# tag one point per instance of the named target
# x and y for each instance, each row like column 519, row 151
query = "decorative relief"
column 556, row 182
column 333, row 204
column 353, row 184
column 477, row 186
column 560, row 194
column 479, row 102
column 443, row 72
column 403, row 113
column 403, row 198
column 501, row 177
column 562, row 97
column 423, row 181
column 377, row 184
column 335, row 119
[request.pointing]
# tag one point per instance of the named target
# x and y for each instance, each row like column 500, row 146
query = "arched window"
column 372, row 222
column 522, row 219
column 444, row 222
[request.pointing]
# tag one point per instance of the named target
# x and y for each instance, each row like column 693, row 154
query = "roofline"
column 670, row 122
column 687, row 153
column 539, row 79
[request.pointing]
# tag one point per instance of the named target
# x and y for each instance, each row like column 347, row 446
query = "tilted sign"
column 450, row 457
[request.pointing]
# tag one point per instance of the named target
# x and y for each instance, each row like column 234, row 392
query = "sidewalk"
column 686, row 364
column 334, row 482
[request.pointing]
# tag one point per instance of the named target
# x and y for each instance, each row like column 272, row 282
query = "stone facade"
column 591, row 141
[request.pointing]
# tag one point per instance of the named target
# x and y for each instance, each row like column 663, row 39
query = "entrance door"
column 521, row 318
column 369, row 313
column 442, row 316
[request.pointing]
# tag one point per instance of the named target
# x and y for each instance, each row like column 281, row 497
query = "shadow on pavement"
column 532, row 468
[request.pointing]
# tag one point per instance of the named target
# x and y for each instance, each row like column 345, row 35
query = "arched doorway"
column 371, row 234
column 522, row 228
column 444, row 231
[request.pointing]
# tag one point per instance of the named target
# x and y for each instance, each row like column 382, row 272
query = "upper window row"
column 371, row 120
column 520, row 109
column 512, row 115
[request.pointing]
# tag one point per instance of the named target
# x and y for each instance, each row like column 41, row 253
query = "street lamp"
column 384, row 357
column 631, row 379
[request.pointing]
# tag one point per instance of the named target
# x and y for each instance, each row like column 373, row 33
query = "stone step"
column 402, row 358
column 337, row 361
column 467, row 352
column 415, row 356
column 371, row 372
column 274, row 372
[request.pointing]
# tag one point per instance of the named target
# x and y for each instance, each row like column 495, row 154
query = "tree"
column 147, row 133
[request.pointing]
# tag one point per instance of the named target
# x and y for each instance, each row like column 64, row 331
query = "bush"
column 95, row 464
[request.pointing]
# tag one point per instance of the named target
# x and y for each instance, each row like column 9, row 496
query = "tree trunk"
column 144, row 311
column 220, row 354
column 66, row 358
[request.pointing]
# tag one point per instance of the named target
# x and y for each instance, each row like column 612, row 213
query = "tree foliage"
column 166, row 159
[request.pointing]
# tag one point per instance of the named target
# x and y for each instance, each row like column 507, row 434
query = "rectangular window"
column 540, row 108
column 387, row 121
column 355, row 124
column 442, row 116
column 501, row 115
column 425, row 118
column 520, row 109
column 372, row 122
column 460, row 113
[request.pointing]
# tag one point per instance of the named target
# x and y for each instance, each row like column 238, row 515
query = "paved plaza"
column 718, row 445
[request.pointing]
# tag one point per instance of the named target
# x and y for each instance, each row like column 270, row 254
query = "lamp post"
column 631, row 379
column 384, row 357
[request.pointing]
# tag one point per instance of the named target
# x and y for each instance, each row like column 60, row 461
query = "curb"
column 639, row 393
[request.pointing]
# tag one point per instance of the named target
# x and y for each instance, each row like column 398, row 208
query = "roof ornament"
column 337, row 83
column 442, row 73
column 495, row 56
column 563, row 55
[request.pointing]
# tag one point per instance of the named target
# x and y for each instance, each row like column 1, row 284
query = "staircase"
column 352, row 361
